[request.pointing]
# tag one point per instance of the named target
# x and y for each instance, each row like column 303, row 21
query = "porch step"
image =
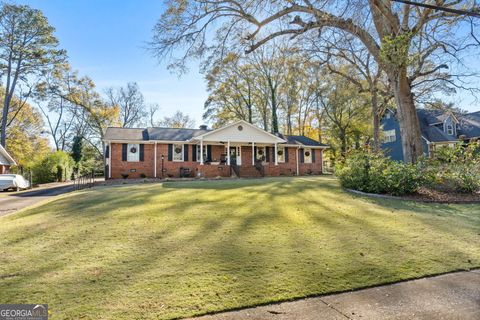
column 247, row 171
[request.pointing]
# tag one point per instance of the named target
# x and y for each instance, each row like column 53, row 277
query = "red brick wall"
column 172, row 168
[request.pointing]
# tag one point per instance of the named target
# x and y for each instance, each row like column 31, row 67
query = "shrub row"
column 451, row 170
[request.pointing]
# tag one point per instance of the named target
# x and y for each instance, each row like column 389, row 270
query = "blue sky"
column 106, row 39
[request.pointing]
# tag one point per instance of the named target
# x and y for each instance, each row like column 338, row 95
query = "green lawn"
column 180, row 249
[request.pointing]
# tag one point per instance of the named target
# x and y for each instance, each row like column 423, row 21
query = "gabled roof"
column 5, row 158
column 187, row 135
column 470, row 125
column 435, row 134
column 228, row 128
column 430, row 132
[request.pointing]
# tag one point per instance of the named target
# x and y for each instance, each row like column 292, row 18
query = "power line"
column 434, row 7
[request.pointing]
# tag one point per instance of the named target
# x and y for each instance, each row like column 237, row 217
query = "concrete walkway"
column 446, row 297
column 11, row 202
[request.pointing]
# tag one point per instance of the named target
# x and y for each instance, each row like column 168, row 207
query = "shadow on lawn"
column 252, row 242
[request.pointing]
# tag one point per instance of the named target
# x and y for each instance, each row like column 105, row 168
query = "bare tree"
column 129, row 100
column 177, row 120
column 388, row 30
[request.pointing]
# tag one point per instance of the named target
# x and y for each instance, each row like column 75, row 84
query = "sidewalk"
column 450, row 296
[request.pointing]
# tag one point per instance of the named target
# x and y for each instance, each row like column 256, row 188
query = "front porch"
column 251, row 152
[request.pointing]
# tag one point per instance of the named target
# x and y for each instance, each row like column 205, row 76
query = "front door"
column 233, row 156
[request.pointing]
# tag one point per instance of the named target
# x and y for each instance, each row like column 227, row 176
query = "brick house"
column 238, row 149
column 6, row 161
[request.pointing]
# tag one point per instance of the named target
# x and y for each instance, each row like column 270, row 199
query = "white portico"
column 237, row 136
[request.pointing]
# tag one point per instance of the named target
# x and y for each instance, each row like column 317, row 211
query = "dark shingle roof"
column 435, row 134
column 430, row 132
column 301, row 140
column 470, row 125
column 181, row 134
column 126, row 134
column 174, row 134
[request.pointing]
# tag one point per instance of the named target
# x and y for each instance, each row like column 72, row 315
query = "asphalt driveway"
column 447, row 297
column 11, row 202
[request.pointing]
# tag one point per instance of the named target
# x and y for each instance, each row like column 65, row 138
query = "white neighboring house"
column 6, row 161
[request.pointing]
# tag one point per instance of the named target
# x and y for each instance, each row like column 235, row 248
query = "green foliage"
column 241, row 243
column 451, row 170
column 56, row 166
column 374, row 173
column 394, row 51
column 77, row 147
column 454, row 169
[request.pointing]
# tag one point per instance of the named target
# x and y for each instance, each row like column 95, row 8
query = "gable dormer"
column 450, row 124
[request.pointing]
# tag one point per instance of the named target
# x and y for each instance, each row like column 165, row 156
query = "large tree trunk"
column 3, row 125
column 407, row 117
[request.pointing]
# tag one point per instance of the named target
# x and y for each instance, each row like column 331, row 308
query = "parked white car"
column 13, row 181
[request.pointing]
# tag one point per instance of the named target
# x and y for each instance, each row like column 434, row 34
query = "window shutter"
column 313, row 155
column 124, row 151
column 302, row 155
column 170, row 152
column 107, row 152
column 267, row 154
column 185, row 152
column 209, row 153
column 142, row 152
column 255, row 153
column 194, row 152
column 286, row 154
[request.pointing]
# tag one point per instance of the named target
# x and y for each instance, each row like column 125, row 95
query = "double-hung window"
column 389, row 136
column 281, row 154
column 133, row 152
column 178, row 152
column 307, row 153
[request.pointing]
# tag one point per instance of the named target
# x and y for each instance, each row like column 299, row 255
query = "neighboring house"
column 438, row 128
column 240, row 149
column 6, row 161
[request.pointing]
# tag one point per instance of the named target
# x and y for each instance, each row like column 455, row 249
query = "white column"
column 296, row 157
column 201, row 152
column 253, row 153
column 228, row 152
column 276, row 154
column 155, row 160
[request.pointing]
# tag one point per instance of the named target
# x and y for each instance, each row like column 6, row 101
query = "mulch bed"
column 429, row 195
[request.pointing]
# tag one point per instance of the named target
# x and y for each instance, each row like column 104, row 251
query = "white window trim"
column 308, row 159
column 136, row 155
column 199, row 153
column 264, row 148
column 281, row 159
column 450, row 130
column 173, row 151
column 390, row 136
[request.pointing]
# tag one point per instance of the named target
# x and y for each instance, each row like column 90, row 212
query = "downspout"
column 296, row 157
column 109, row 160
column 155, row 161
